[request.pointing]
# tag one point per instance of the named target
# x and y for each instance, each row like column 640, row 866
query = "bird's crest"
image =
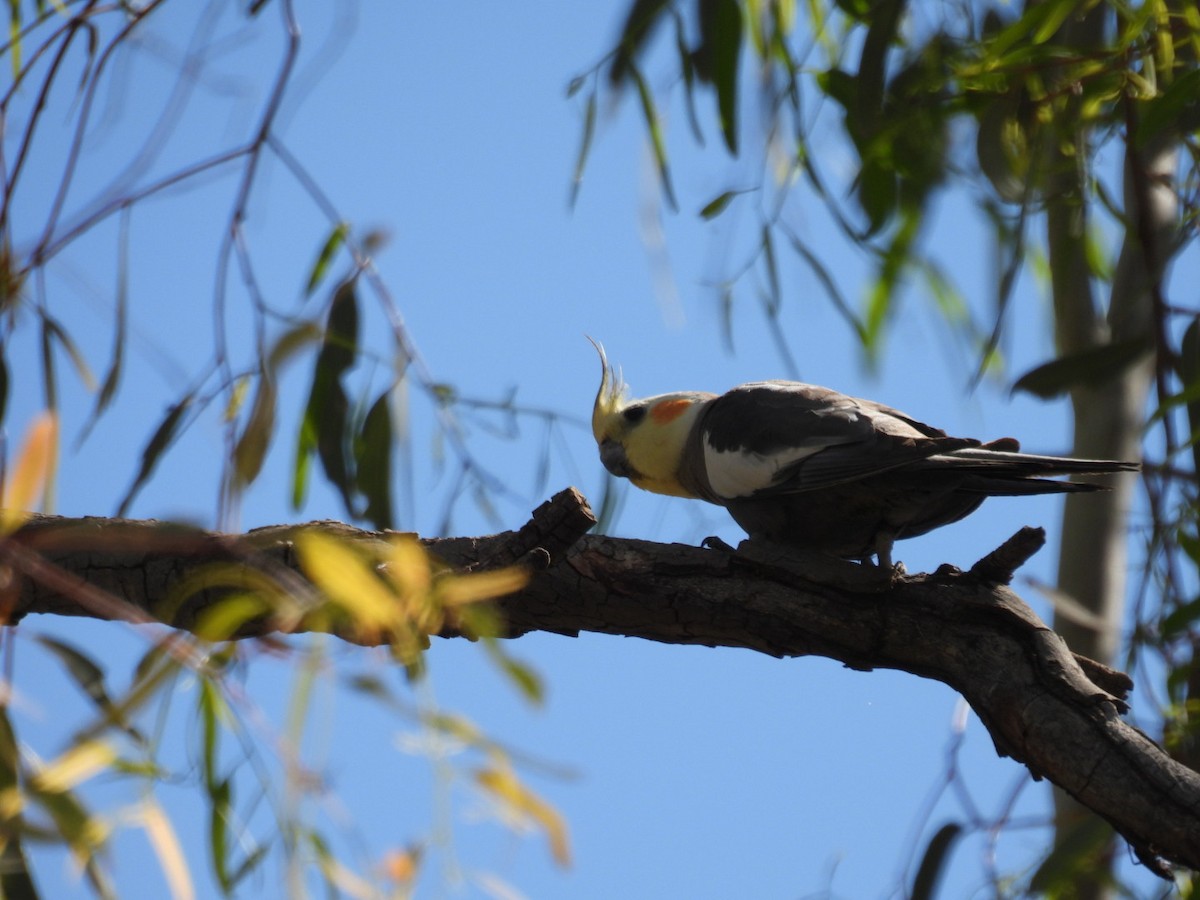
column 610, row 396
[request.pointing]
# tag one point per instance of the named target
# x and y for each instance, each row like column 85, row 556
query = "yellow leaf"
column 31, row 474
column 502, row 783
column 348, row 579
column 407, row 566
column 456, row 590
column 170, row 854
column 401, row 865
column 74, row 767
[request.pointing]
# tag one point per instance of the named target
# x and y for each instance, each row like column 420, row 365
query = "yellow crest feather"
column 610, row 396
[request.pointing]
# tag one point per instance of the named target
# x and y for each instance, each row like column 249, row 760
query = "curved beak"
column 612, row 454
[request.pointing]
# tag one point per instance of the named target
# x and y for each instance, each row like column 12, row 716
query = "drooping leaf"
column 251, row 447
column 502, row 783
column 933, row 862
column 585, row 146
column 524, row 678
column 1177, row 109
column 1084, row 368
column 374, row 450
column 640, row 23
column 654, row 126
column 325, row 424
column 16, row 881
column 33, row 471
column 717, row 205
column 3, row 384
column 872, row 68
column 333, row 243
column 112, row 378
column 877, row 193
column 1189, row 374
column 721, row 44
column 162, row 438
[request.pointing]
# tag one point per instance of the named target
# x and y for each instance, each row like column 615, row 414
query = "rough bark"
column 1058, row 714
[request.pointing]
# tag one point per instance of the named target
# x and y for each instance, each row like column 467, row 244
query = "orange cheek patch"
column 669, row 410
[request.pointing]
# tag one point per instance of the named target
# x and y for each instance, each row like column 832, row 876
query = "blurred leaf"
column 502, row 784
column 162, row 438
column 86, row 673
column 872, row 67
column 585, row 146
column 349, row 580
column 251, row 448
column 1189, row 374
column 373, row 451
column 166, row 846
column 74, row 766
column 768, row 250
column 1002, row 148
column 33, row 471
column 474, row 587
column 640, row 22
column 831, row 289
column 1052, row 18
column 325, row 256
column 721, row 43
column 656, row 136
column 3, row 384
column 877, row 193
column 1175, row 111
column 687, row 68
column 325, row 425
column 53, row 330
column 934, row 861
column 1074, row 855
column 523, row 677
column 717, row 205
column 1181, row 619
column 1093, row 366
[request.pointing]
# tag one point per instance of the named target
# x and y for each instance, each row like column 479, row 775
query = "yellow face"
column 643, row 440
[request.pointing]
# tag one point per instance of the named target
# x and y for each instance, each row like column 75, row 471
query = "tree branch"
column 1041, row 707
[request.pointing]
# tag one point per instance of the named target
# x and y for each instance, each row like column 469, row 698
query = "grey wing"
column 787, row 437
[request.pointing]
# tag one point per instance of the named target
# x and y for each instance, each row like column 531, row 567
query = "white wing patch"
column 740, row 473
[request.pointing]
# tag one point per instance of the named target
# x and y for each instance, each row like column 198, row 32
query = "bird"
column 805, row 466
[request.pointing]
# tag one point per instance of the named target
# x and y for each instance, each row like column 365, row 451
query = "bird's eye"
column 634, row 414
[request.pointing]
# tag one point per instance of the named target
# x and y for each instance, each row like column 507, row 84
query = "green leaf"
column 328, row 251
column 1085, row 368
column 1175, row 110
column 1189, row 374
column 639, row 25
column 3, row 384
column 1076, row 854
column 162, row 438
column 524, row 678
column 656, row 136
column 721, row 43
column 717, row 205
column 251, row 448
column 374, row 463
column 325, row 425
column 933, row 862
column 16, row 882
column 877, row 194
column 872, row 66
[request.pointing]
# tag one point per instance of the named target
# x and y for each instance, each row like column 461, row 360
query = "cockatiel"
column 806, row 466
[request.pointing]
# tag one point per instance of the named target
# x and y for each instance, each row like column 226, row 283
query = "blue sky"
column 682, row 771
